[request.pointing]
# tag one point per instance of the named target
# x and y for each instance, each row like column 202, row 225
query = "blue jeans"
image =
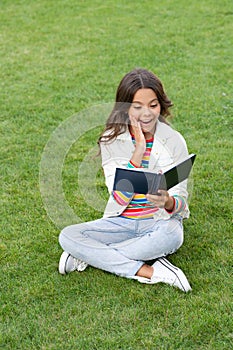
column 120, row 245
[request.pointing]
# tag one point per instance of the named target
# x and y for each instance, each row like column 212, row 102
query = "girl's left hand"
column 163, row 200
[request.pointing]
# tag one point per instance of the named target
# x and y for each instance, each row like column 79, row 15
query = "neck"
column 148, row 135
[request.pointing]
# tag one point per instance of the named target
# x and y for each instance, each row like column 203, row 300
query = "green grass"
column 57, row 59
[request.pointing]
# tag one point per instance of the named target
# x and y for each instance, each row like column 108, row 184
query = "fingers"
column 159, row 200
column 136, row 127
column 134, row 122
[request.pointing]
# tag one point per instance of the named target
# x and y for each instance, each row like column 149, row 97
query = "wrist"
column 133, row 164
column 170, row 203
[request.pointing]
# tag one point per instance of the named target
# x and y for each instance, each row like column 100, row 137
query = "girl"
column 135, row 228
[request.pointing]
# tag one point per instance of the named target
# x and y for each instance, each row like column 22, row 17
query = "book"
column 142, row 181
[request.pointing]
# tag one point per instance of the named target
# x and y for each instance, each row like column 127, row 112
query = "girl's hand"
column 140, row 141
column 163, row 200
column 138, row 134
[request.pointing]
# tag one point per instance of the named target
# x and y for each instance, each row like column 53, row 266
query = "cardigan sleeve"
column 113, row 156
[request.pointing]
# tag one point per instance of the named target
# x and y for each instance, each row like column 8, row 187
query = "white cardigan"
column 169, row 148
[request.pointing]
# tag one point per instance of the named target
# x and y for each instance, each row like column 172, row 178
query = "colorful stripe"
column 139, row 208
column 122, row 198
column 180, row 204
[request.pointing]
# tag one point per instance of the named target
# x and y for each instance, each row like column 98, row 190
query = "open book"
column 142, row 181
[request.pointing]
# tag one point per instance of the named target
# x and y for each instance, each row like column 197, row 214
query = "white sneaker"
column 68, row 264
column 165, row 272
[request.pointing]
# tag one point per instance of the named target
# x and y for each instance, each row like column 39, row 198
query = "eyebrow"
column 154, row 99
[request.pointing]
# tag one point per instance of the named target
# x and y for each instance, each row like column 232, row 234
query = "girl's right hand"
column 136, row 130
column 140, row 141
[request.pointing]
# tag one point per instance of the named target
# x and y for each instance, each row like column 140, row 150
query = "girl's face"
column 145, row 108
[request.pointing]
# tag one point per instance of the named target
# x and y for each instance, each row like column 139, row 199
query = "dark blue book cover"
column 139, row 181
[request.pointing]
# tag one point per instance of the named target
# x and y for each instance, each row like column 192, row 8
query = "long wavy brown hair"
column 118, row 121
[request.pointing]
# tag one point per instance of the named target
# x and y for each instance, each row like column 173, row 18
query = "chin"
column 150, row 130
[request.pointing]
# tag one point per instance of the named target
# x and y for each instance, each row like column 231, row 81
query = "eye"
column 137, row 107
column 154, row 105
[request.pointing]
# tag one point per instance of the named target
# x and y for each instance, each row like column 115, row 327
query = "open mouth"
column 145, row 122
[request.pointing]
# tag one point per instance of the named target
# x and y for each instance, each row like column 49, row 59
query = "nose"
column 146, row 111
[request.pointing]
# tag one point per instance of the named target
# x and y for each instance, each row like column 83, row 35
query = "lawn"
column 61, row 62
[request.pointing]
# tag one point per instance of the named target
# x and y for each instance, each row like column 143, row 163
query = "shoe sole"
column 179, row 274
column 62, row 263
